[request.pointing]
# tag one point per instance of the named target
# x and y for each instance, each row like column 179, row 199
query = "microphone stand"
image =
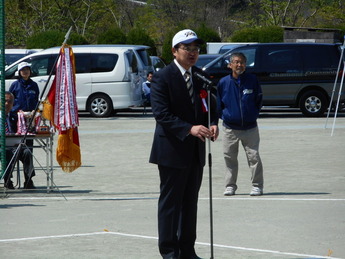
column 208, row 86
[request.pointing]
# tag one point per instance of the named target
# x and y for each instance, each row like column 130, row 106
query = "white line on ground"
column 154, row 198
column 155, row 238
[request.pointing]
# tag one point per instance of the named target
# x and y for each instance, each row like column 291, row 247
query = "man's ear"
column 173, row 50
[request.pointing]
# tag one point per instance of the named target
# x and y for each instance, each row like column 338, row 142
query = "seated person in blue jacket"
column 147, row 87
column 24, row 90
column 25, row 154
column 26, row 97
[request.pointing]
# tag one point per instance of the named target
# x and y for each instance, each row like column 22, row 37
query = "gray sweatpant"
column 250, row 140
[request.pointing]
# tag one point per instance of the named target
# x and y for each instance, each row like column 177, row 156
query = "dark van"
column 291, row 74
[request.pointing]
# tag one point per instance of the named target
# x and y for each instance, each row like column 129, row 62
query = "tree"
column 337, row 19
column 159, row 18
column 112, row 36
column 207, row 35
column 138, row 36
column 55, row 38
column 284, row 12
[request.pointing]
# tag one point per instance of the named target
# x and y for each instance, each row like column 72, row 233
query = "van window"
column 133, row 63
column 145, row 57
column 282, row 59
column 324, row 59
column 40, row 66
column 82, row 63
column 103, row 62
column 250, row 54
column 11, row 58
column 10, row 73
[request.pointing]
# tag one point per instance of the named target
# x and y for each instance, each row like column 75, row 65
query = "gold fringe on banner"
column 68, row 150
column 48, row 110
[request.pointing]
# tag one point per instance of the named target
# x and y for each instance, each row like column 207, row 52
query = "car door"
column 135, row 77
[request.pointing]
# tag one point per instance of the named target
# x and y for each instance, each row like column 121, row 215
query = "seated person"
column 25, row 154
column 147, row 88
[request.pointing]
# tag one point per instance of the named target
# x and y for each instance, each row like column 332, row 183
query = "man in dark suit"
column 179, row 145
column 25, row 154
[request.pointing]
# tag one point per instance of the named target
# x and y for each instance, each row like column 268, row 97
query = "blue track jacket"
column 26, row 94
column 239, row 101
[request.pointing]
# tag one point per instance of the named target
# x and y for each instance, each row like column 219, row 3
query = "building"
column 317, row 35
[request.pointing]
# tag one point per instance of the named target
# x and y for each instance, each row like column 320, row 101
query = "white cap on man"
column 186, row 36
column 23, row 64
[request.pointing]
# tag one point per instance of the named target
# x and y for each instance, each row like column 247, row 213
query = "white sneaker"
column 256, row 191
column 229, row 191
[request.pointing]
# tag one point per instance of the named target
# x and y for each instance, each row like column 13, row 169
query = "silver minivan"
column 108, row 77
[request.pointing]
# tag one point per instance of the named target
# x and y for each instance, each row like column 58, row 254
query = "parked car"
column 108, row 77
column 205, row 59
column 12, row 55
column 157, row 63
column 291, row 74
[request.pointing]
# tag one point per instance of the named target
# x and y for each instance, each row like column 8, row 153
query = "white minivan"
column 108, row 77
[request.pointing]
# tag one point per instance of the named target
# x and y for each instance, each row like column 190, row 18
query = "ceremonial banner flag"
column 60, row 107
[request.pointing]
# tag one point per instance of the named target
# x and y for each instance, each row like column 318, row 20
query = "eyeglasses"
column 190, row 49
column 237, row 62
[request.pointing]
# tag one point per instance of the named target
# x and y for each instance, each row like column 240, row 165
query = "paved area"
column 107, row 208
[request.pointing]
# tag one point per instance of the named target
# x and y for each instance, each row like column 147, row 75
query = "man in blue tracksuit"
column 239, row 103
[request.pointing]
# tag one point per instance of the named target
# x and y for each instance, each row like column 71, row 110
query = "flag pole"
column 208, row 87
column 15, row 156
column 53, row 67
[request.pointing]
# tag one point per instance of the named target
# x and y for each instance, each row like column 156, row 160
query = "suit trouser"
column 250, row 140
column 25, row 156
column 177, row 209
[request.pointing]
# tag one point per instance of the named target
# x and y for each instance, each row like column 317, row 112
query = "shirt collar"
column 182, row 70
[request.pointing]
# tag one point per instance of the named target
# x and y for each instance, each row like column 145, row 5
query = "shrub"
column 138, row 36
column 112, row 36
column 259, row 34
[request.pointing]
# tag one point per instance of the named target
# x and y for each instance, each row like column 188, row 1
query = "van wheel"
column 100, row 105
column 313, row 103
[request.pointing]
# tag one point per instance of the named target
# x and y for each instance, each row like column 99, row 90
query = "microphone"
column 207, row 81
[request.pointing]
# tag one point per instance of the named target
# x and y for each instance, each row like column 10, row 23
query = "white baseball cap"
column 186, row 36
column 22, row 65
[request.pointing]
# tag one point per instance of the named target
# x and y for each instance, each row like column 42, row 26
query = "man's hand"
column 202, row 132
column 215, row 132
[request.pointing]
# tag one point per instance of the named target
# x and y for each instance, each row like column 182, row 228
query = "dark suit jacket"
column 175, row 115
column 13, row 118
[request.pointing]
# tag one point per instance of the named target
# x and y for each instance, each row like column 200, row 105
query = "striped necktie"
column 7, row 126
column 189, row 85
